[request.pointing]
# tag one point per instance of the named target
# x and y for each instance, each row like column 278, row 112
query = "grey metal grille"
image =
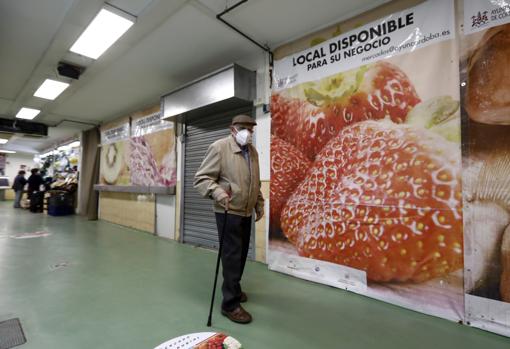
column 11, row 334
column 199, row 223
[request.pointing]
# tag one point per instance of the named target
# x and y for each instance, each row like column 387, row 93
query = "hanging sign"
column 150, row 124
column 399, row 33
column 115, row 134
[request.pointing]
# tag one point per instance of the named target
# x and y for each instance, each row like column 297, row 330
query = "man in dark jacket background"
column 34, row 191
column 18, row 186
column 34, row 181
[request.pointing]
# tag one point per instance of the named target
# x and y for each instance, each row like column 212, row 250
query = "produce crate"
column 60, row 210
column 60, row 203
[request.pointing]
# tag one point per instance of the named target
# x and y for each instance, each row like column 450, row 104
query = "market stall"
column 60, row 170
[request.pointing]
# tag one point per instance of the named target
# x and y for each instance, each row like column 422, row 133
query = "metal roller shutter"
column 198, row 221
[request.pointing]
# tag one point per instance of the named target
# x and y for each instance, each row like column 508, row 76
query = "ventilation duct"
column 23, row 127
column 229, row 88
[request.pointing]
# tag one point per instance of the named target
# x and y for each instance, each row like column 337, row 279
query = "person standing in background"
column 18, row 186
column 34, row 191
column 34, row 181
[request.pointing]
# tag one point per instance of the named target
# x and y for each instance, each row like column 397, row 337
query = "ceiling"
column 171, row 43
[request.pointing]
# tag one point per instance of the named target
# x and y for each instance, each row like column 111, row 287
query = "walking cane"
column 217, row 268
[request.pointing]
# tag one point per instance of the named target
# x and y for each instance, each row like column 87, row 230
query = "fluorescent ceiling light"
column 7, row 151
column 50, row 89
column 3, row 140
column 106, row 28
column 75, row 144
column 63, row 148
column 27, row 113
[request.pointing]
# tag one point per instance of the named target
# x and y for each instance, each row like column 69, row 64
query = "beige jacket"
column 225, row 172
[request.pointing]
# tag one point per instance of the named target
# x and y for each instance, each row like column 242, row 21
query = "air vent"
column 78, row 125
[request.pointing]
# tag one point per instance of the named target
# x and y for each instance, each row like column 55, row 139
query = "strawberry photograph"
column 370, row 92
column 383, row 198
column 366, row 174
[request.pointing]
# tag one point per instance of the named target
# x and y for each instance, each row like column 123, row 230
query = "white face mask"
column 244, row 137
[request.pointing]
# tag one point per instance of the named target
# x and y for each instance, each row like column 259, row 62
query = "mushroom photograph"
column 113, row 167
column 486, row 162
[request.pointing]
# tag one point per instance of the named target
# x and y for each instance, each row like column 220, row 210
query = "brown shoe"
column 238, row 315
column 244, row 298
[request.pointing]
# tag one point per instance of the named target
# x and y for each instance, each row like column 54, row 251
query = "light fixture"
column 74, row 144
column 27, row 113
column 106, row 28
column 50, row 89
column 7, row 151
column 3, row 140
column 63, row 148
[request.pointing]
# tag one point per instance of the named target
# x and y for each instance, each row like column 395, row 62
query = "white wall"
column 14, row 162
column 165, row 216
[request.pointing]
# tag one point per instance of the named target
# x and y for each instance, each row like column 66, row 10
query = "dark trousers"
column 36, row 201
column 233, row 257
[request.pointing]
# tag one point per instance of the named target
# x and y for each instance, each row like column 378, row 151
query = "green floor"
column 127, row 289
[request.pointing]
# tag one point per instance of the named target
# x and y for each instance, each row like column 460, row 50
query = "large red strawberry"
column 383, row 198
column 310, row 114
column 295, row 117
column 288, row 168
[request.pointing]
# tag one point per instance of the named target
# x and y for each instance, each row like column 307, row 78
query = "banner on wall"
column 485, row 72
column 114, row 159
column 140, row 154
column 150, row 124
column 484, row 14
column 399, row 33
column 152, row 159
column 365, row 162
column 115, row 134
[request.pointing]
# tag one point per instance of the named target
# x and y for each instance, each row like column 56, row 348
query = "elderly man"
column 229, row 175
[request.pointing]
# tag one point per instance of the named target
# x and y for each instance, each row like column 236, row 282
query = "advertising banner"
column 113, row 168
column 115, row 134
column 152, row 158
column 484, row 14
column 485, row 77
column 366, row 162
column 149, row 124
column 396, row 34
column 139, row 153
